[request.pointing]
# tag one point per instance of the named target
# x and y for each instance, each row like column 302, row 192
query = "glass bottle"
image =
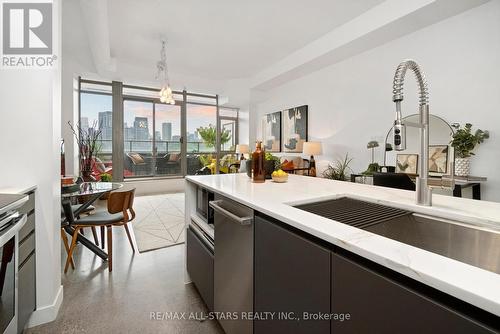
column 258, row 157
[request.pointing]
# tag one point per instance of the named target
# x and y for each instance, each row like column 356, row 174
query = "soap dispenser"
column 258, row 158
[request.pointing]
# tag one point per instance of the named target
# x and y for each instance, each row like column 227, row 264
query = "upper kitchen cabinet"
column 292, row 274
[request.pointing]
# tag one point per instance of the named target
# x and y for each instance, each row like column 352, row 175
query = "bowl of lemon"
column 279, row 176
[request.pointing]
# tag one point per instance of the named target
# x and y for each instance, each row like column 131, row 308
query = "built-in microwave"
column 203, row 197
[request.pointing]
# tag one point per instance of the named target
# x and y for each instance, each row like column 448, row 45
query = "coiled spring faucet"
column 424, row 191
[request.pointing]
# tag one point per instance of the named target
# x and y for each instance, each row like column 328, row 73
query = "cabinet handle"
column 241, row 220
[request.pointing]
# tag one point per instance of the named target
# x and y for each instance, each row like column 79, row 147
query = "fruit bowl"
column 280, row 179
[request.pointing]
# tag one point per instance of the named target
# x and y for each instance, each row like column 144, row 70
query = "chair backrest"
column 393, row 180
column 122, row 201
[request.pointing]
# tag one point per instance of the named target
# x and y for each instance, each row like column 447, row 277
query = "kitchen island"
column 461, row 282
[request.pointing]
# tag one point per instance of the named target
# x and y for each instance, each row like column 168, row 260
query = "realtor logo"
column 27, row 34
column 27, row 28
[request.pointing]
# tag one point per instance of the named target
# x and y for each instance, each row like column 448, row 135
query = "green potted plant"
column 339, row 170
column 464, row 142
column 105, row 177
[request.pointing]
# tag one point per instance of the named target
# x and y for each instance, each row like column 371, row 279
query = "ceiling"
column 221, row 39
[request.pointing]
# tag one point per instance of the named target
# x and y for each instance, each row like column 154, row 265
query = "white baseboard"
column 46, row 313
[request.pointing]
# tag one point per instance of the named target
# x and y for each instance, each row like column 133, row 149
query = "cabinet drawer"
column 28, row 227
column 27, row 292
column 200, row 266
column 292, row 274
column 378, row 304
column 29, row 205
column 26, row 247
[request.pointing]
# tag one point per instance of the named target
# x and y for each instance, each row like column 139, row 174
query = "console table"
column 461, row 183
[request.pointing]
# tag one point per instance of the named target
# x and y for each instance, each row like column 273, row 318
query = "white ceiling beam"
column 381, row 24
column 96, row 22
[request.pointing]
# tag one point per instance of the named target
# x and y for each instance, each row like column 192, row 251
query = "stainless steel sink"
column 465, row 243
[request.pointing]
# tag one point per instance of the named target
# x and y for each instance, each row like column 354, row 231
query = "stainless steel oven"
column 8, row 271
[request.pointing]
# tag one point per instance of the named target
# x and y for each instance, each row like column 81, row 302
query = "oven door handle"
column 241, row 220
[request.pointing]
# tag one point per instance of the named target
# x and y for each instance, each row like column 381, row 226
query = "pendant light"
column 166, row 95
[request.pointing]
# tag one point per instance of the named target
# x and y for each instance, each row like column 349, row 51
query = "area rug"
column 159, row 221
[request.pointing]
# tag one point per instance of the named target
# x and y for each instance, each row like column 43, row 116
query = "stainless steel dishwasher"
column 233, row 264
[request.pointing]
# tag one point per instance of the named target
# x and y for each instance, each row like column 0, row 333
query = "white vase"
column 462, row 166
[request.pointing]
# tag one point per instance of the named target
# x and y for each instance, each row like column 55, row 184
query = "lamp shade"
column 312, row 148
column 242, row 149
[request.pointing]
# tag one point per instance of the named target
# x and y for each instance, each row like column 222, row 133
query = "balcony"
column 141, row 160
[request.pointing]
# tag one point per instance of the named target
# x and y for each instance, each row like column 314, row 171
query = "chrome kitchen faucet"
column 424, row 189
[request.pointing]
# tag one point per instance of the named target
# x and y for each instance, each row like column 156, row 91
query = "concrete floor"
column 96, row 301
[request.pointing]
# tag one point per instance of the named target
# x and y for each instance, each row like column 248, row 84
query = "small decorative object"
column 438, row 158
column 294, row 129
column 258, row 171
column 242, row 149
column 339, row 170
column 89, row 145
column 271, row 163
column 279, row 176
column 312, row 148
column 407, row 163
column 372, row 168
column 372, row 145
column 271, row 132
column 464, row 142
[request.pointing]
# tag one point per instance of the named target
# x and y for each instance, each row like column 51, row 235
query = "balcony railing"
column 162, row 146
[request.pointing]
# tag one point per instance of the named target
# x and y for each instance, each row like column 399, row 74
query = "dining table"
column 88, row 193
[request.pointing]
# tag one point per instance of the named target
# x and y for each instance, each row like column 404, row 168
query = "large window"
column 158, row 139
column 96, row 115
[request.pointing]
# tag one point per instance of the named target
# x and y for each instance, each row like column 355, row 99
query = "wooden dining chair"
column 119, row 212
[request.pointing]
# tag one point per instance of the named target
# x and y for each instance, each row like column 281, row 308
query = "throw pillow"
column 136, row 158
column 100, row 165
column 287, row 165
column 174, row 157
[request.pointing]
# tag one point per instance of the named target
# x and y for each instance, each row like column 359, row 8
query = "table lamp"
column 242, row 149
column 312, row 148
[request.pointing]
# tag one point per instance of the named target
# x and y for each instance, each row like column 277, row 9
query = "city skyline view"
column 138, row 123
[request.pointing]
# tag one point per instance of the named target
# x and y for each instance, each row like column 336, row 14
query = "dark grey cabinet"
column 27, row 265
column 200, row 266
column 291, row 276
column 378, row 304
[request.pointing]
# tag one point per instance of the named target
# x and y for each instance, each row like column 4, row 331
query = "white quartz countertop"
column 474, row 285
column 22, row 189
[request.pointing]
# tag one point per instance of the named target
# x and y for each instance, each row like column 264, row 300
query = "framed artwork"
column 271, row 132
column 294, row 129
column 407, row 163
column 438, row 158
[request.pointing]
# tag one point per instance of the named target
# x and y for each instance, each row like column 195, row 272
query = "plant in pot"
column 339, row 170
column 209, row 136
column 464, row 142
column 105, row 177
column 89, row 145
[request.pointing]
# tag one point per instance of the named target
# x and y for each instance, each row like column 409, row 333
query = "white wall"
column 30, row 132
column 350, row 102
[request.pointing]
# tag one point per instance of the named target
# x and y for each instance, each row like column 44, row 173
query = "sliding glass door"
column 152, row 139
column 168, row 139
column 201, row 134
